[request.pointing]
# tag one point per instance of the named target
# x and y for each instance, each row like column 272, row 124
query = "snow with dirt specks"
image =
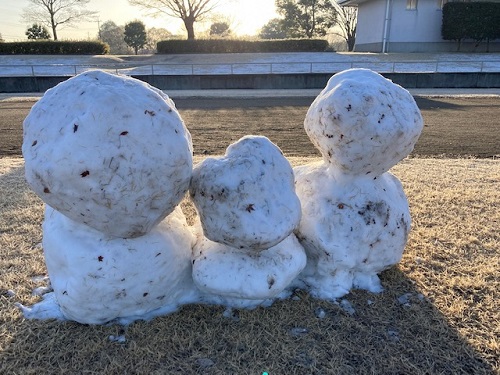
column 109, row 152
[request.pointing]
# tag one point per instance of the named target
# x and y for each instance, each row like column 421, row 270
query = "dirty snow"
column 263, row 229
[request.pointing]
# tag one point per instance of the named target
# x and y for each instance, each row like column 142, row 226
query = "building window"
column 411, row 4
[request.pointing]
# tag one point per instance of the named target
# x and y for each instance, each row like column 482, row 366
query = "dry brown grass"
column 451, row 324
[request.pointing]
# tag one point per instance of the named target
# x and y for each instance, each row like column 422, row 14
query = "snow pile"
column 355, row 215
column 246, row 198
column 112, row 159
column 109, row 152
column 248, row 210
column 97, row 278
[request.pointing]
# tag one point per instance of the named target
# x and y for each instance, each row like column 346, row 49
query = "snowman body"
column 111, row 158
column 246, row 252
column 355, row 215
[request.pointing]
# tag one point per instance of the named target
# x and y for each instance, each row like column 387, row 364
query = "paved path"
column 311, row 93
column 250, row 63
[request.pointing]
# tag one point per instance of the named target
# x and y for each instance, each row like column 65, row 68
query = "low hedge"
column 477, row 21
column 46, row 47
column 241, row 46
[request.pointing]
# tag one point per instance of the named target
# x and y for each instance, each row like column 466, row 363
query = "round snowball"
column 362, row 123
column 233, row 273
column 351, row 229
column 97, row 278
column 108, row 151
column 247, row 198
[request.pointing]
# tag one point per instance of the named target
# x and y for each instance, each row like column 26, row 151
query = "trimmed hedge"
column 241, row 46
column 46, row 47
column 477, row 21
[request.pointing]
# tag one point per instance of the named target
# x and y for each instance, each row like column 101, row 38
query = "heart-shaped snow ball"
column 362, row 123
column 246, row 199
column 108, row 151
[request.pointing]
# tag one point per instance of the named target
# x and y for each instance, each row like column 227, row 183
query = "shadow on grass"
column 396, row 332
column 382, row 336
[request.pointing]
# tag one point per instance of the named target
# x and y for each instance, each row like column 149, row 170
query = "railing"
column 254, row 68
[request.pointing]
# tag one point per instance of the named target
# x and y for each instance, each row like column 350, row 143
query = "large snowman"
column 355, row 215
column 111, row 158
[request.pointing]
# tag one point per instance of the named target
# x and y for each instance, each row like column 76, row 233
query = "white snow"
column 112, row 159
column 98, row 278
column 110, row 152
column 363, row 123
column 355, row 215
column 352, row 229
column 242, row 274
column 246, row 198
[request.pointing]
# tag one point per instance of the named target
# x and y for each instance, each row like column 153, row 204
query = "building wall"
column 422, row 25
column 370, row 27
column 408, row 30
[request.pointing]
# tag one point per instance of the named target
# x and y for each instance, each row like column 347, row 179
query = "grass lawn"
column 439, row 313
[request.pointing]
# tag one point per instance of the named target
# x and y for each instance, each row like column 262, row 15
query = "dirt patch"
column 453, row 126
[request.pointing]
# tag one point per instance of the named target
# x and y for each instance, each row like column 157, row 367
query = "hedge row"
column 54, row 48
column 241, row 46
column 476, row 21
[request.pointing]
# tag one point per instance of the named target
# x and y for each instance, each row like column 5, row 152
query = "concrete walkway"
column 242, row 94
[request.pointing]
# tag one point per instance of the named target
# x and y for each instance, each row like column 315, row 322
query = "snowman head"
column 362, row 123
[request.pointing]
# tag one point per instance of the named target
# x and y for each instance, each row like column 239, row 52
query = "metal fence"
column 487, row 66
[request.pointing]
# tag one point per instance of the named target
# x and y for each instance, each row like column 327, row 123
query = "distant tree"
column 189, row 11
column 135, row 35
column 36, row 32
column 274, row 29
column 220, row 29
column 306, row 18
column 1, row 39
column 155, row 35
column 53, row 13
column 347, row 20
column 112, row 34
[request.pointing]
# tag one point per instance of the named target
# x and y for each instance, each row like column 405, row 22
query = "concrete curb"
column 256, row 93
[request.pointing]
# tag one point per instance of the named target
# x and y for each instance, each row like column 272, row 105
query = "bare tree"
column 347, row 19
column 189, row 11
column 53, row 13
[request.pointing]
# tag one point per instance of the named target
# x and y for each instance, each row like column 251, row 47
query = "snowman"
column 111, row 158
column 355, row 215
column 246, row 252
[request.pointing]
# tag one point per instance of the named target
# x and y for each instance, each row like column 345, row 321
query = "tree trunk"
column 136, row 49
column 350, row 43
column 189, row 24
column 54, row 26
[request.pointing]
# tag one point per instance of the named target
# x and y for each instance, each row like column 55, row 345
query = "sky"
column 246, row 18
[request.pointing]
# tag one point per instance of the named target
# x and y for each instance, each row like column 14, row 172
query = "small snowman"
column 355, row 215
column 246, row 251
column 111, row 158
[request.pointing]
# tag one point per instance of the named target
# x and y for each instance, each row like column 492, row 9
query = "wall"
column 370, row 29
column 409, row 30
column 268, row 81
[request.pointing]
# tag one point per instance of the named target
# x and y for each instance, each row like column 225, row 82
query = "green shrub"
column 478, row 21
column 241, row 46
column 54, row 48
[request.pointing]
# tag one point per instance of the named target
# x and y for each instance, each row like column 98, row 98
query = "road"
column 454, row 127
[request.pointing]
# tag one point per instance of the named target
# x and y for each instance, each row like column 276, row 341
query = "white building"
column 403, row 26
